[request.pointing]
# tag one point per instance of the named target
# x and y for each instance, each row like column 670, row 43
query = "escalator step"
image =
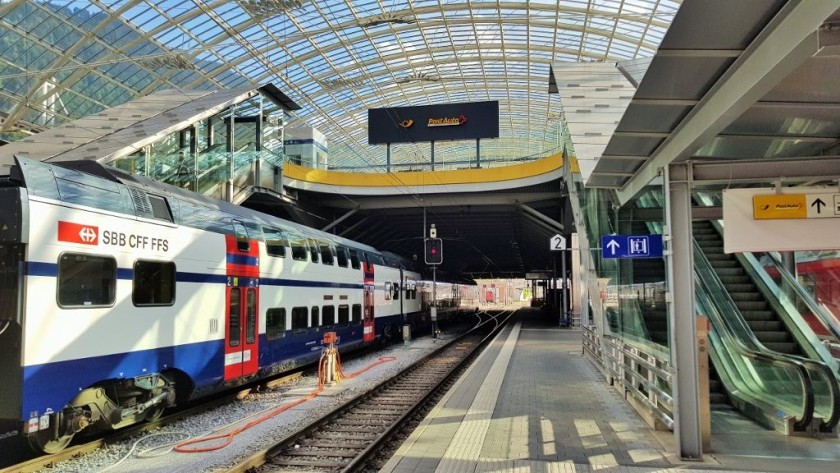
column 729, row 263
column 759, row 306
column 718, row 398
column 789, row 348
column 738, row 287
column 758, row 315
column 766, row 325
column 773, row 337
column 746, row 296
column 734, row 279
column 729, row 271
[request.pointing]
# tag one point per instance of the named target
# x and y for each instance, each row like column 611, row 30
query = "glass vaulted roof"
column 61, row 60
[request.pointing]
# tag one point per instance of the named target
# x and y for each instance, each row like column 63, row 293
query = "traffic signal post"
column 434, row 257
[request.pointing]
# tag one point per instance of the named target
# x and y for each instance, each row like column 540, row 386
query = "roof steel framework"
column 62, row 60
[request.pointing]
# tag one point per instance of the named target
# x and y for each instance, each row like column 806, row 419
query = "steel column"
column 681, row 312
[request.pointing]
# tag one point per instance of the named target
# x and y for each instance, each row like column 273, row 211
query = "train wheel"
column 155, row 412
column 43, row 442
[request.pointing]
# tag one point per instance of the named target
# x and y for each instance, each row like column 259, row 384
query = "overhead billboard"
column 452, row 121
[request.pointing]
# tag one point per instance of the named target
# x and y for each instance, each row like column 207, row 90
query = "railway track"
column 28, row 461
column 348, row 438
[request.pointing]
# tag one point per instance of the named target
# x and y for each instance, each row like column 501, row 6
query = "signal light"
column 434, row 251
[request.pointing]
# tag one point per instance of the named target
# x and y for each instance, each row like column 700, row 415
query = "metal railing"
column 640, row 374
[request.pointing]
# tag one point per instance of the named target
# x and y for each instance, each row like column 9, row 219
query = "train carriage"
column 121, row 297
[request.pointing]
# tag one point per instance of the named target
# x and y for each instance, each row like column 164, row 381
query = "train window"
column 234, row 325
column 153, row 283
column 343, row 314
column 326, row 254
column 275, row 323
column 313, row 250
column 357, row 314
column 341, row 256
column 275, row 242
column 300, row 318
column 299, row 249
column 328, row 315
column 242, row 242
column 316, row 316
column 160, row 208
column 251, row 316
column 354, row 259
column 86, row 280
column 396, row 291
column 388, row 291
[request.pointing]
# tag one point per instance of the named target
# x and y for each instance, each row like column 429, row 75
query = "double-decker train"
column 120, row 297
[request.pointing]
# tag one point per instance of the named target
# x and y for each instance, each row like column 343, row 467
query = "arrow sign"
column 819, row 204
column 631, row 246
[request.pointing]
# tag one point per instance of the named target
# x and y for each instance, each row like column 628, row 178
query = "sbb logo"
column 76, row 233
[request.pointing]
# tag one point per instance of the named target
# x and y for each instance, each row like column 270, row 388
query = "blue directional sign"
column 631, row 246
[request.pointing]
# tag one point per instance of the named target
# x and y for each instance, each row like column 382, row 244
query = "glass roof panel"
column 63, row 60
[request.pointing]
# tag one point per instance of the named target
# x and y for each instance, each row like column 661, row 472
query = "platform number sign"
column 558, row 243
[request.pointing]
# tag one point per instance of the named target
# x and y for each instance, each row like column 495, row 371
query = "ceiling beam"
column 783, row 45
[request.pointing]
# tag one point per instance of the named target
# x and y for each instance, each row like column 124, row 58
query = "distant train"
column 120, row 297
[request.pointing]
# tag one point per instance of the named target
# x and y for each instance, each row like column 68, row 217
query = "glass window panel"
column 86, row 280
column 154, row 283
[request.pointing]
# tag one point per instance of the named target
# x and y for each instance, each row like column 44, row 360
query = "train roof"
column 91, row 184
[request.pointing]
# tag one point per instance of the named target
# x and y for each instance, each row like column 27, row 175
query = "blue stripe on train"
column 243, row 260
column 51, row 270
column 52, row 385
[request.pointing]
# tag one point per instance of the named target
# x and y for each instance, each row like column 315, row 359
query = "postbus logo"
column 448, row 121
column 78, row 233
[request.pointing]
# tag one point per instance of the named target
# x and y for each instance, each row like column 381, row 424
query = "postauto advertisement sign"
column 452, row 121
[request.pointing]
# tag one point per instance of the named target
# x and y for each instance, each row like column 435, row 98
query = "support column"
column 388, row 157
column 681, row 312
column 432, row 149
column 478, row 153
column 258, row 129
column 230, row 151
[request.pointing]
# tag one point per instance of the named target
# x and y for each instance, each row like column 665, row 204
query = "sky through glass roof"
column 62, row 60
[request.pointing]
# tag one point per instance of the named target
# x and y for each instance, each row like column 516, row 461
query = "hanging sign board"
column 796, row 219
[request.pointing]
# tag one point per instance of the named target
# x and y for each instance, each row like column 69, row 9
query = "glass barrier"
column 812, row 291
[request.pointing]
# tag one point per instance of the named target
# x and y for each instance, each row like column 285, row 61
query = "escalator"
column 787, row 392
column 764, row 322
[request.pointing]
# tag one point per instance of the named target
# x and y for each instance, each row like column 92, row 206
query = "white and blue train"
column 120, row 297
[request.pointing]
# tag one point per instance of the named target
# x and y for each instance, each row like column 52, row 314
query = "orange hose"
column 228, row 437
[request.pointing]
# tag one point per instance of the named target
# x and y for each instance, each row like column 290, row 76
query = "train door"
column 368, row 324
column 241, row 338
column 241, row 296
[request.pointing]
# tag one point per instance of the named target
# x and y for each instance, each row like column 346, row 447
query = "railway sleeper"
column 336, row 443
column 310, row 464
column 331, row 452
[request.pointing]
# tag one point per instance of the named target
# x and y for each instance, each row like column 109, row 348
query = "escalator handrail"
column 758, row 351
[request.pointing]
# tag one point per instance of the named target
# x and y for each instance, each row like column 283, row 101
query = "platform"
column 531, row 402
